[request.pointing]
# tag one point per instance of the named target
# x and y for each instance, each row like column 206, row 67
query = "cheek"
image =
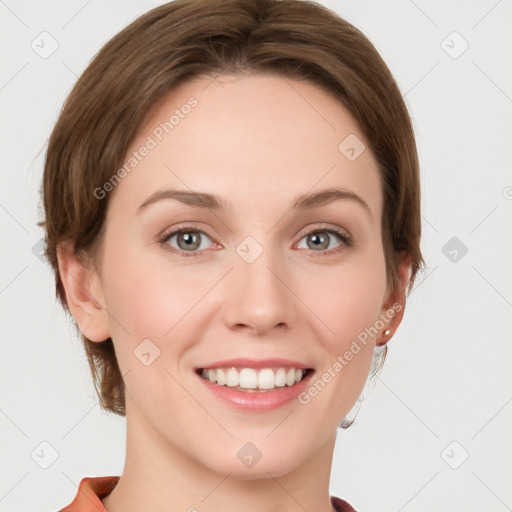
column 346, row 298
column 148, row 301
column 145, row 298
column 347, row 302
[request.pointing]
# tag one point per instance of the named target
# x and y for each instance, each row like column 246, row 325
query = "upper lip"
column 246, row 362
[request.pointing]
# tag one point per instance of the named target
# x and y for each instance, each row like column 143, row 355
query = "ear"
column 84, row 294
column 393, row 307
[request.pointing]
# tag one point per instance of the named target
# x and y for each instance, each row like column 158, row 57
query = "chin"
column 247, row 462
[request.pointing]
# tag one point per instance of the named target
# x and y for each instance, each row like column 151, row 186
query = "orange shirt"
column 92, row 489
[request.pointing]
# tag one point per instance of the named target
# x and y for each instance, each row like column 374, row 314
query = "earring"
column 387, row 332
column 379, row 355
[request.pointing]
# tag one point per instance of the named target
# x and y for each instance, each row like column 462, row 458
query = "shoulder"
column 89, row 493
column 340, row 505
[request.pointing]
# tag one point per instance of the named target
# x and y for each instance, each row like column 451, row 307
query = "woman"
column 232, row 213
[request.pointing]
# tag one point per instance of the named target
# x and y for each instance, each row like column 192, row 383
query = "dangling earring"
column 379, row 355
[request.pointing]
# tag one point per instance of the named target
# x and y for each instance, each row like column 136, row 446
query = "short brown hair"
column 132, row 74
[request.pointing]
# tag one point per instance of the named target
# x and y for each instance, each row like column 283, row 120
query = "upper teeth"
column 249, row 378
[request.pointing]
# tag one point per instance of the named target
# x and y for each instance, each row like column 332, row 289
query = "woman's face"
column 261, row 279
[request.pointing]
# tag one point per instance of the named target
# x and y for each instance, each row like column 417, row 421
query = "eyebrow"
column 216, row 203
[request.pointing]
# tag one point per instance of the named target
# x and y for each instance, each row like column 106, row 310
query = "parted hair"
column 133, row 72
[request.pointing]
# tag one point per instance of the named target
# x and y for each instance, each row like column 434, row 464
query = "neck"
column 160, row 476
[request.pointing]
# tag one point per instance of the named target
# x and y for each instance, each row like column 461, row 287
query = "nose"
column 258, row 296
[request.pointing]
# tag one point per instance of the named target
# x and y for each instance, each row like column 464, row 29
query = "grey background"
column 444, row 392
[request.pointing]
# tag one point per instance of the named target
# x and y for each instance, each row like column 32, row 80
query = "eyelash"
column 346, row 239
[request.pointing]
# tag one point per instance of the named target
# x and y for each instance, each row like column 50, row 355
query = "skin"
column 259, row 141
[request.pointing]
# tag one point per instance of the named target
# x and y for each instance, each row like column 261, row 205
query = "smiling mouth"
column 251, row 380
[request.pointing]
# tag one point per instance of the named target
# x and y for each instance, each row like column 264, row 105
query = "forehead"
column 252, row 139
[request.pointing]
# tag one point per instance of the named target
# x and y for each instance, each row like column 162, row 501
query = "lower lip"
column 258, row 401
